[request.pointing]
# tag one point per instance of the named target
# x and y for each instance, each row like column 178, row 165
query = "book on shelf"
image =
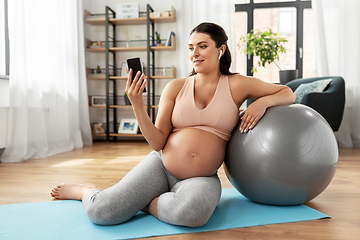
column 168, row 41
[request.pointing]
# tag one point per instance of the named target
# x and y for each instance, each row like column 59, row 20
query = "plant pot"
column 288, row 75
column 127, row 101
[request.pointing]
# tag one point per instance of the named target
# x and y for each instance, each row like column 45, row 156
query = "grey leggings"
column 188, row 202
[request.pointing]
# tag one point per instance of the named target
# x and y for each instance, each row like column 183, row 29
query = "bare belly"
column 193, row 152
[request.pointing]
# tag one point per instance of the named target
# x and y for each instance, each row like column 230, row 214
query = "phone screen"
column 135, row 65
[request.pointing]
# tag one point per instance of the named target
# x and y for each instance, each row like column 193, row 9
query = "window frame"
column 299, row 5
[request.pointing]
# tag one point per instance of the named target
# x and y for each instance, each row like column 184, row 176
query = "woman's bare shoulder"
column 173, row 87
column 241, row 81
column 176, row 83
column 239, row 77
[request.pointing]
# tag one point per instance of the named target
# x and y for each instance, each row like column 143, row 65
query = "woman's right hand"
column 134, row 89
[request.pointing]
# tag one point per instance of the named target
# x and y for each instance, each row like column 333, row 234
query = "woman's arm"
column 156, row 135
column 267, row 95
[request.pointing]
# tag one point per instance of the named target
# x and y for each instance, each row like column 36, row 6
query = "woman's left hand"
column 134, row 89
column 251, row 116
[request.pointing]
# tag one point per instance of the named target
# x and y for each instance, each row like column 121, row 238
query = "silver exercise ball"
column 288, row 158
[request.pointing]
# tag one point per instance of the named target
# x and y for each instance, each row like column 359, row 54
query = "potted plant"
column 267, row 45
column 127, row 101
column 158, row 39
column 98, row 69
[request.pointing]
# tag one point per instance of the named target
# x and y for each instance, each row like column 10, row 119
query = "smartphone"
column 135, row 65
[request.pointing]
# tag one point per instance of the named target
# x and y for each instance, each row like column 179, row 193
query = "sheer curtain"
column 337, row 34
column 48, row 111
column 190, row 13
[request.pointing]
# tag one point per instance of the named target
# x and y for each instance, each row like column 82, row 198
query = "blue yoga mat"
column 67, row 220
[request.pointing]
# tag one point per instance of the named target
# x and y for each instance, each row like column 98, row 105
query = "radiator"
column 4, row 113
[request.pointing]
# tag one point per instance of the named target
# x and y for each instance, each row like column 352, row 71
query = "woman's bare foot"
column 73, row 191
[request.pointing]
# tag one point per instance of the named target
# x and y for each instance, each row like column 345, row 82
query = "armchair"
column 330, row 103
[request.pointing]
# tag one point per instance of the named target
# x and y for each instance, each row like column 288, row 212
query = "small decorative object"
column 266, row 45
column 98, row 69
column 127, row 10
column 124, row 69
column 165, row 14
column 155, row 14
column 164, row 72
column 99, row 128
column 97, row 44
column 130, row 126
column 126, row 32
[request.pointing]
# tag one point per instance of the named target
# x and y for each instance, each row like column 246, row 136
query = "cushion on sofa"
column 305, row 88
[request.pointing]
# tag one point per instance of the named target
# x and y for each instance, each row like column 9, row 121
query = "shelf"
column 172, row 76
column 97, row 78
column 130, row 21
column 131, row 49
column 118, row 78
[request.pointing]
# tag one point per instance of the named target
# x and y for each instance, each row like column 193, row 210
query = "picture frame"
column 98, row 100
column 129, row 126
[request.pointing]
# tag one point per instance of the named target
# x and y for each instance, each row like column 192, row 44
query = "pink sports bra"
column 218, row 117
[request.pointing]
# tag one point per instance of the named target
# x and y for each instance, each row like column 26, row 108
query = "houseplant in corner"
column 266, row 45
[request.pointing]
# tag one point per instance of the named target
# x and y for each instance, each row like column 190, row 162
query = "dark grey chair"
column 330, row 103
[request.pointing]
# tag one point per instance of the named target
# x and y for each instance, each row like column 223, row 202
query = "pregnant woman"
column 177, row 182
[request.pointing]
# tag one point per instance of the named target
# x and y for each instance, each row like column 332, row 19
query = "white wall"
column 4, row 111
column 136, row 32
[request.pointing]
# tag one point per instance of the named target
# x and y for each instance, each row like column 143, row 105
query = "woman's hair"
column 218, row 35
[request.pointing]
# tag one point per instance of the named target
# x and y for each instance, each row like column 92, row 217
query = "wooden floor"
column 105, row 163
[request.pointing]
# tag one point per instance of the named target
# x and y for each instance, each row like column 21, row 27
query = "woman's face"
column 203, row 53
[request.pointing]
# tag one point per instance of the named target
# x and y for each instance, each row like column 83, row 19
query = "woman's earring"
column 220, row 54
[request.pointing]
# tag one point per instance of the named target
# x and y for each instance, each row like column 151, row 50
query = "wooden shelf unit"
column 111, row 22
column 132, row 49
column 129, row 21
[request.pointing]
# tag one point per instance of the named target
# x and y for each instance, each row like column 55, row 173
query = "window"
column 4, row 41
column 292, row 20
column 287, row 21
column 241, row 30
